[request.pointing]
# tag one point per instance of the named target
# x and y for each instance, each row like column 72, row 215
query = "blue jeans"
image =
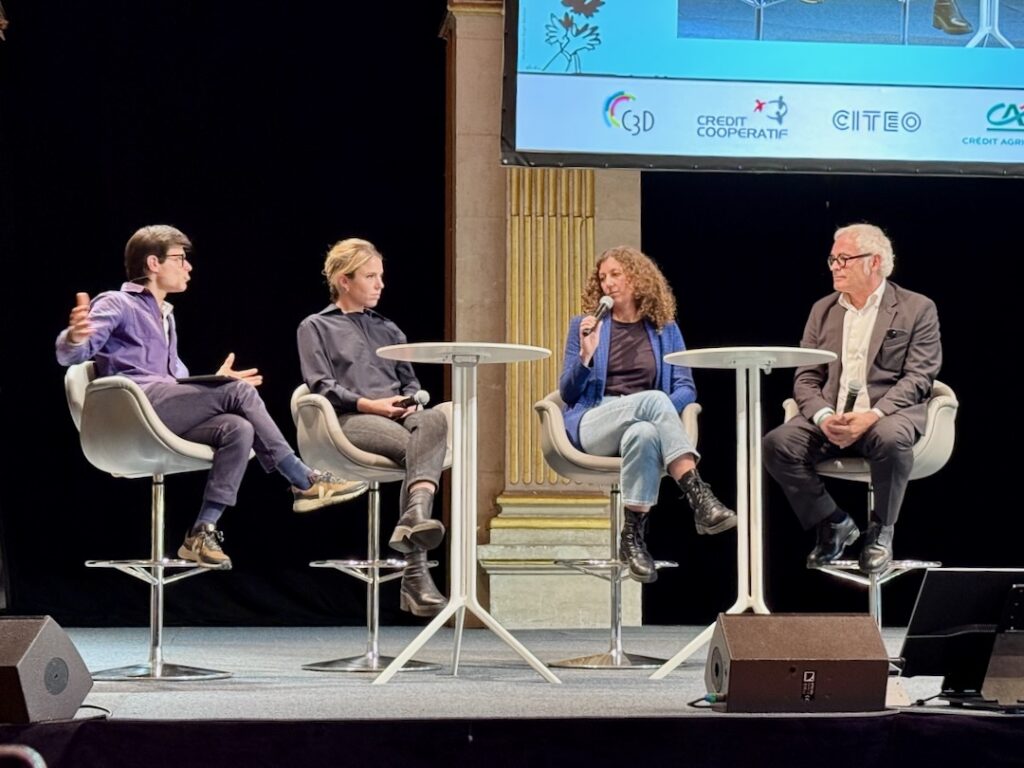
column 645, row 430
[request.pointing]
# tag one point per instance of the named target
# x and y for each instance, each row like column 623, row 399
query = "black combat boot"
column 633, row 548
column 709, row 514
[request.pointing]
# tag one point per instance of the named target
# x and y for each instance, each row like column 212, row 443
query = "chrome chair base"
column 849, row 570
column 368, row 662
column 613, row 571
column 164, row 671
column 610, row 660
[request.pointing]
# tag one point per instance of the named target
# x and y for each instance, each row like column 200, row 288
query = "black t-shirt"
column 631, row 364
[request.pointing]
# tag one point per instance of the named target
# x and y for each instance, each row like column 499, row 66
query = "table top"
column 473, row 352
column 765, row 358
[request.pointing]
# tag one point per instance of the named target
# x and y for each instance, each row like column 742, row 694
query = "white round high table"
column 748, row 363
column 464, row 357
column 988, row 26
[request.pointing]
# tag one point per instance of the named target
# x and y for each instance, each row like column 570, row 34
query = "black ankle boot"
column 419, row 595
column 709, row 514
column 416, row 529
column 633, row 548
column 946, row 16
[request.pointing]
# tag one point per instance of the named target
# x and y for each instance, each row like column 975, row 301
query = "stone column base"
column 527, row 589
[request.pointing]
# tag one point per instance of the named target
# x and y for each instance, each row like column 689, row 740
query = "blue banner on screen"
column 932, row 86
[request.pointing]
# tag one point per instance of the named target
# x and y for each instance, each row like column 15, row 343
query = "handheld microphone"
column 852, row 390
column 603, row 308
column 420, row 398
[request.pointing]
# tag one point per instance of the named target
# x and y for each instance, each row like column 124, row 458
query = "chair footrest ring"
column 605, row 568
column 165, row 563
column 391, row 562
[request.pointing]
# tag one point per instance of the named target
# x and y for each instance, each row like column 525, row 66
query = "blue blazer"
column 582, row 387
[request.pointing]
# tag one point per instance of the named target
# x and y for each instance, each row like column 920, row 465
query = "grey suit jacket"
column 905, row 355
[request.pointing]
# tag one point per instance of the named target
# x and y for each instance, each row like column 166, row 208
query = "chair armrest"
column 790, row 409
column 563, row 457
column 568, row 461
column 122, row 434
column 448, row 410
column 323, row 444
column 689, row 419
column 935, row 446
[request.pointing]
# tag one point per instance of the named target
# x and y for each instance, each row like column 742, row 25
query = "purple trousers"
column 231, row 418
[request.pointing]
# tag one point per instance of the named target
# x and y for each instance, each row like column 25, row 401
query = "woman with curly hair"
column 622, row 399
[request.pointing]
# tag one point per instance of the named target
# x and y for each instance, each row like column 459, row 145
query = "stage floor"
column 268, row 681
column 497, row 713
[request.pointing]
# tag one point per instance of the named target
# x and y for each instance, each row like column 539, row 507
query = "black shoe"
column 947, row 17
column 709, row 514
column 416, row 529
column 877, row 551
column 633, row 547
column 833, row 538
column 419, row 595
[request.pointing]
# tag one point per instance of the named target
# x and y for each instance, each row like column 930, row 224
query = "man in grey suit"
column 888, row 352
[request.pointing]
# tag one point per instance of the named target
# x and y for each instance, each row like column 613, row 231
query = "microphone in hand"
column 420, row 398
column 852, row 391
column 603, row 308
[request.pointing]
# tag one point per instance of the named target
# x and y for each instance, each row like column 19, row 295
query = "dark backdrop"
column 266, row 132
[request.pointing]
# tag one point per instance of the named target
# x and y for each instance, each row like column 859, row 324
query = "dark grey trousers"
column 792, row 449
column 417, row 442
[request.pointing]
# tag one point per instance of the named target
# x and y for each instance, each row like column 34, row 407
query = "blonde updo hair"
column 654, row 299
column 344, row 258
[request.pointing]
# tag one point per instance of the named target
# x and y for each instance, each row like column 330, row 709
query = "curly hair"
column 653, row 294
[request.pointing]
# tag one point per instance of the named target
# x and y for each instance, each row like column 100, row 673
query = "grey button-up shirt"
column 338, row 355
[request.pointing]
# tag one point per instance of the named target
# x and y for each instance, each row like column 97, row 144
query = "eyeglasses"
column 842, row 259
column 181, row 257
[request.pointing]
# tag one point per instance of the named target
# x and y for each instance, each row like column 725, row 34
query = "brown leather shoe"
column 416, row 529
column 418, row 594
column 946, row 16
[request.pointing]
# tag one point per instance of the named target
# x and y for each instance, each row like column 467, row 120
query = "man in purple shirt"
column 131, row 332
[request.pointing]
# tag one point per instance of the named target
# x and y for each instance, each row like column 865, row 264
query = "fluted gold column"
column 550, row 253
column 555, row 228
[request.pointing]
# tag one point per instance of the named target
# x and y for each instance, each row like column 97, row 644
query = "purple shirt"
column 128, row 338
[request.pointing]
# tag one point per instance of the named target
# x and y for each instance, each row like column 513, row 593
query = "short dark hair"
column 154, row 239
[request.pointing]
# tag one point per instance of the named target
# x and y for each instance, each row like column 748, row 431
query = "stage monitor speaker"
column 42, row 676
column 796, row 663
column 1004, row 678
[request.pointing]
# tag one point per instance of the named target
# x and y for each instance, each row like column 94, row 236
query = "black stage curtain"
column 260, row 131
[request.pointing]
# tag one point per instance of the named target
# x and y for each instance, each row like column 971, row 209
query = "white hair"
column 870, row 239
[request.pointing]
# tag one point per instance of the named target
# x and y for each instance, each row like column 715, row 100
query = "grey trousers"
column 792, row 449
column 232, row 419
column 417, row 442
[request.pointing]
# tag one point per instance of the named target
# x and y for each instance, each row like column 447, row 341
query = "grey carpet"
column 269, row 683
